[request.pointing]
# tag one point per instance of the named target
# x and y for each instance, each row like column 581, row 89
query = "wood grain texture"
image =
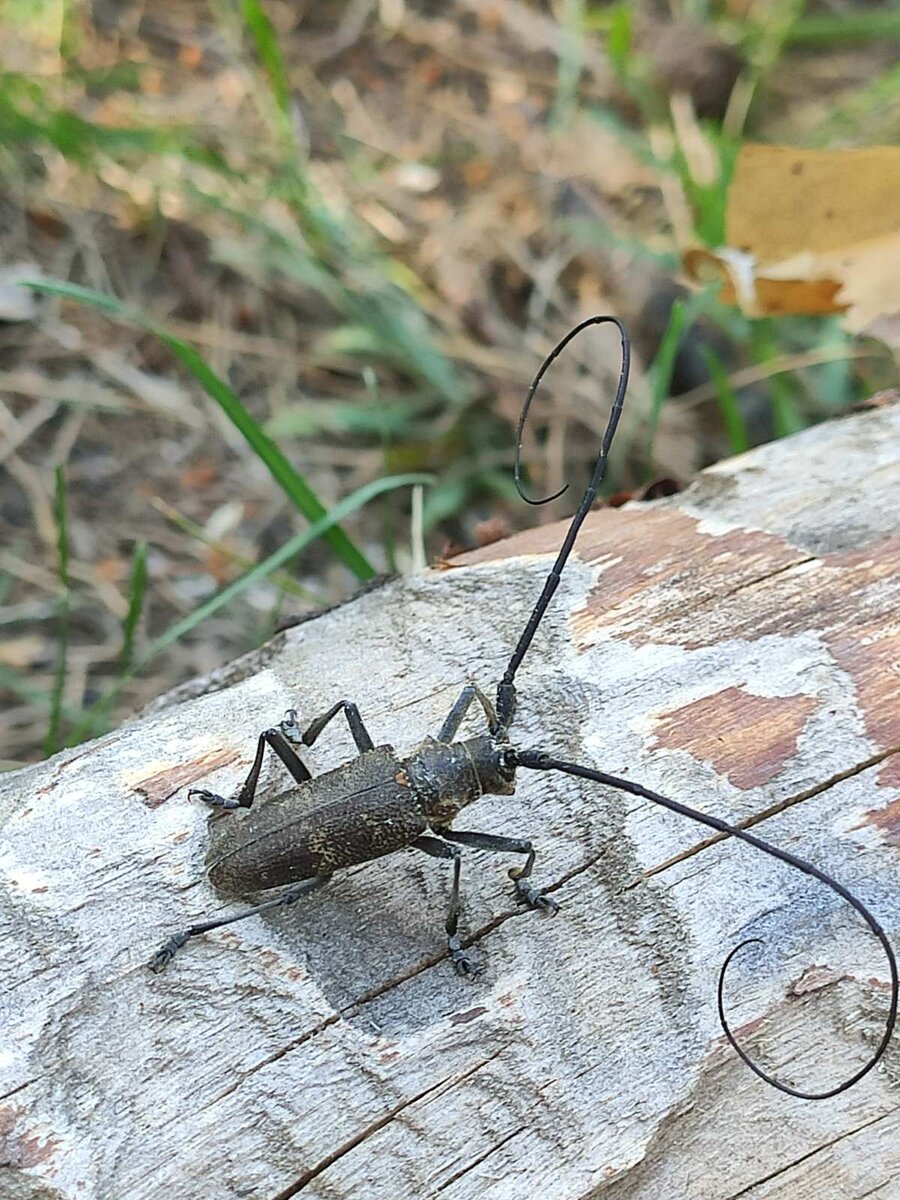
column 736, row 647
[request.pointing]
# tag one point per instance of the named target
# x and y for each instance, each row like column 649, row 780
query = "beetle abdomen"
column 275, row 846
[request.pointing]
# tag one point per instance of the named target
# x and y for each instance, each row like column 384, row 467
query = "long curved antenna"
column 538, row 761
column 506, row 694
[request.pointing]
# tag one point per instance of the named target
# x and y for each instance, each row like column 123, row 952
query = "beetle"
column 381, row 802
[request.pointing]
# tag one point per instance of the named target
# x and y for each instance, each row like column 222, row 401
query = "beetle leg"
column 526, row 891
column 213, row 799
column 354, row 720
column 462, row 963
column 166, row 953
column 285, row 751
column 456, row 714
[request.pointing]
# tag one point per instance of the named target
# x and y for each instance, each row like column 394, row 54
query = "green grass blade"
column 137, row 591
column 297, row 543
column 824, row 29
column 662, row 367
column 293, row 484
column 786, row 415
column 51, row 742
column 27, row 116
column 732, row 417
column 620, row 42
column 684, row 314
column 309, row 418
column 269, row 52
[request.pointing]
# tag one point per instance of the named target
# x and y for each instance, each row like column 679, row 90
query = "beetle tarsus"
column 290, row 728
column 529, row 894
column 212, row 799
column 167, row 952
column 463, row 963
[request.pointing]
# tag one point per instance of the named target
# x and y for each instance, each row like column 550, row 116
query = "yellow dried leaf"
column 869, row 275
column 812, row 232
column 783, row 201
column 759, row 295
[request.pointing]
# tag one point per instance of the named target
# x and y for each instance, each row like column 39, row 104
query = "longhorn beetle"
column 381, row 802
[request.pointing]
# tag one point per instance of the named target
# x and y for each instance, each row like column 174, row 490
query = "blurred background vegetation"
column 307, row 258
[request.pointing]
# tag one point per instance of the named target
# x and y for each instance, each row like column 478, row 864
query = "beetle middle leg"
column 360, row 734
column 166, row 953
column 285, row 751
column 525, row 890
column 462, row 963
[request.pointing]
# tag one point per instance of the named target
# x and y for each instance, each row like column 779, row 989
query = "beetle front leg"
column 456, row 714
column 462, row 963
column 526, row 891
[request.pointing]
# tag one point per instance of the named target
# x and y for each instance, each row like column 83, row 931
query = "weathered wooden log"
column 736, row 647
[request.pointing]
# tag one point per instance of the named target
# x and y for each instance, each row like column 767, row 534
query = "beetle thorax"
column 448, row 777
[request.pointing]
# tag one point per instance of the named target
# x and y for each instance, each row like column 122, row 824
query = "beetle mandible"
column 381, row 802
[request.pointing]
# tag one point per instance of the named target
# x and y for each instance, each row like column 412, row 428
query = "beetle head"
column 493, row 764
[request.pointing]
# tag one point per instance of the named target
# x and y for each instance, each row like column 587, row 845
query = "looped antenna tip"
column 536, row 383
column 883, row 1044
column 505, row 699
column 539, row 760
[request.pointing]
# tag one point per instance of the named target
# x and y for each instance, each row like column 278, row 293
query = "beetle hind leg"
column 169, row 949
